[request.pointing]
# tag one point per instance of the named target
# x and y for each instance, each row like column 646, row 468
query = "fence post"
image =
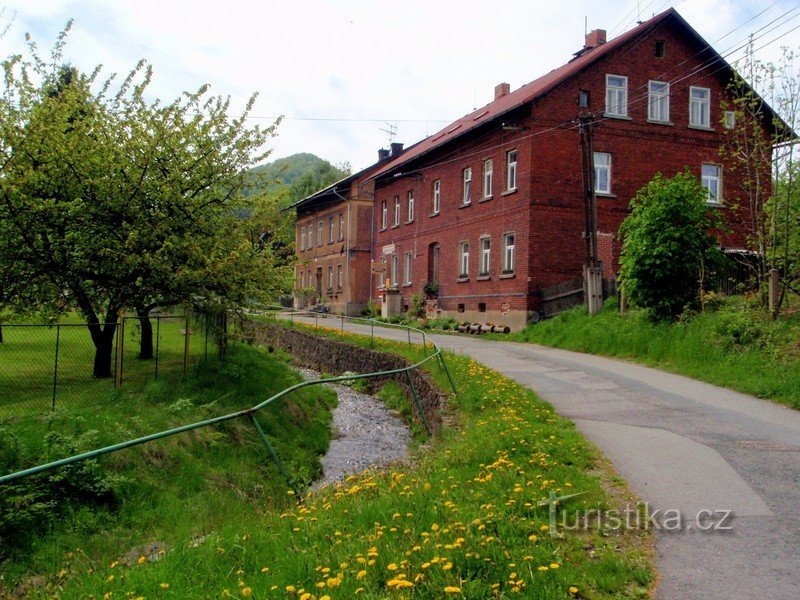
column 55, row 366
column 186, row 341
column 120, row 349
column 417, row 401
column 447, row 372
column 158, row 339
column 272, row 452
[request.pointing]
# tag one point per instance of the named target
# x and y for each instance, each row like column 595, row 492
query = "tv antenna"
column 391, row 130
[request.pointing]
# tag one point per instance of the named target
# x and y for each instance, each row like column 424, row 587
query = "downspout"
column 347, row 256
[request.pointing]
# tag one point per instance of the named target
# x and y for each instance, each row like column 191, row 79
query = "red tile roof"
column 520, row 96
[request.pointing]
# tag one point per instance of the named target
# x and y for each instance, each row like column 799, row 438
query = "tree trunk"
column 146, row 341
column 103, row 339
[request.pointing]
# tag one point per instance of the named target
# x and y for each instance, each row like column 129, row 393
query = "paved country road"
column 681, row 445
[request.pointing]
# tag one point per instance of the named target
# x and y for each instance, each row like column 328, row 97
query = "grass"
column 733, row 344
column 172, row 491
column 460, row 522
column 28, row 355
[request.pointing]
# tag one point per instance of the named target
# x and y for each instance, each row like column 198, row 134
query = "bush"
column 667, row 248
column 417, row 308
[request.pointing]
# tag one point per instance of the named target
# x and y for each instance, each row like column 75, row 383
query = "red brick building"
column 492, row 206
column 333, row 242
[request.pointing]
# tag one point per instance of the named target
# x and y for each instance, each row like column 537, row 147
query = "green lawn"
column 28, row 365
column 733, row 344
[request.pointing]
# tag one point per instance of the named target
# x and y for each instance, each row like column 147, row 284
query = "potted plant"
column 431, row 289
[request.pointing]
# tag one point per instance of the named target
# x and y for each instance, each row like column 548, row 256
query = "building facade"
column 491, row 208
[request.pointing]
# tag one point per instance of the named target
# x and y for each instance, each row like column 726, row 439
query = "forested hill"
column 299, row 174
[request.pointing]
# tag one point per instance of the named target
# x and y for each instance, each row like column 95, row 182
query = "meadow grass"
column 733, row 344
column 177, row 489
column 28, row 362
column 461, row 520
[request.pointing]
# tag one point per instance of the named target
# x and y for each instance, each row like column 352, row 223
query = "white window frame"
column 330, row 277
column 602, row 168
column 338, row 277
column 396, row 211
column 511, row 170
column 729, row 119
column 616, row 96
column 437, row 196
column 395, row 267
column 485, row 248
column 341, row 226
column 700, row 108
column 384, row 214
column 301, row 279
column 709, row 181
column 658, row 101
column 410, row 198
column 310, row 236
column 408, row 264
column 320, row 232
column 467, row 189
column 331, row 230
column 488, row 176
column 303, row 238
column 463, row 260
column 509, row 252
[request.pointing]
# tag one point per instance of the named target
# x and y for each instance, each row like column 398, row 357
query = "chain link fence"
column 49, row 367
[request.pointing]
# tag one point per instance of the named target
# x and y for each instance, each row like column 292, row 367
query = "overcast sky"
column 340, row 71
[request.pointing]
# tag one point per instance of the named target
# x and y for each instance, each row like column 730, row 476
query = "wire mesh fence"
column 48, row 367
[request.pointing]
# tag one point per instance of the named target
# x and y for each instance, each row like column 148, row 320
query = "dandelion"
column 573, row 590
column 247, row 592
column 163, row 586
column 451, row 589
column 554, row 565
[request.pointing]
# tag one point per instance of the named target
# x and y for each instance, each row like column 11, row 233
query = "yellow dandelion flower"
column 573, row 590
column 361, row 574
column 554, row 565
column 451, row 589
column 164, row 586
column 247, row 592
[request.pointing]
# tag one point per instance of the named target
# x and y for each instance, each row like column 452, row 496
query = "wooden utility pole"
column 592, row 270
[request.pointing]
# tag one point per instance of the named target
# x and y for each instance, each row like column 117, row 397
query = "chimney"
column 397, row 148
column 501, row 89
column 383, row 154
column 595, row 38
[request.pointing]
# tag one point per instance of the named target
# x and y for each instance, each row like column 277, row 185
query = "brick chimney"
column 501, row 89
column 383, row 154
column 595, row 38
column 397, row 148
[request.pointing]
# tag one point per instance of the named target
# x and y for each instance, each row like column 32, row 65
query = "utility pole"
column 592, row 269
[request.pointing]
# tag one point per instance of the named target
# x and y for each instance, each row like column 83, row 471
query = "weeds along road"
column 682, row 445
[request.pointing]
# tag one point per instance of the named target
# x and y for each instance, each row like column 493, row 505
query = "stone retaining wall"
column 335, row 357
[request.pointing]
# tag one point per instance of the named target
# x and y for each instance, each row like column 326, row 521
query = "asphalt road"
column 682, row 445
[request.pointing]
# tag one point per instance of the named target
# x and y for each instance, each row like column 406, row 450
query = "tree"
column 667, row 246
column 112, row 201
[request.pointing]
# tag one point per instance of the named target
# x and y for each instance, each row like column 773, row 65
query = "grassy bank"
column 462, row 521
column 733, row 344
column 170, row 492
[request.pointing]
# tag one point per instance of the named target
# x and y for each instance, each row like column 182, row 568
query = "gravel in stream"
column 365, row 434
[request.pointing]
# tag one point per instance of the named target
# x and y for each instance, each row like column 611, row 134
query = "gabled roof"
column 338, row 190
column 536, row 89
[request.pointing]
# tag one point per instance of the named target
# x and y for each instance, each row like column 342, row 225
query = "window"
column 301, row 280
column 508, row 253
column 617, row 95
column 395, row 265
column 661, row 48
column 465, row 199
column 331, row 230
column 488, row 168
column 302, row 238
column 339, row 277
column 485, row 256
column 384, row 214
column 410, row 205
column 699, row 107
column 341, row 226
column 729, row 119
column 310, row 236
column 330, row 278
column 711, row 180
column 464, row 262
column 658, row 107
column 583, row 99
column 511, row 170
column 320, row 227
column 437, row 196
column 409, row 263
column 481, row 306
column 602, row 173
column 396, row 211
